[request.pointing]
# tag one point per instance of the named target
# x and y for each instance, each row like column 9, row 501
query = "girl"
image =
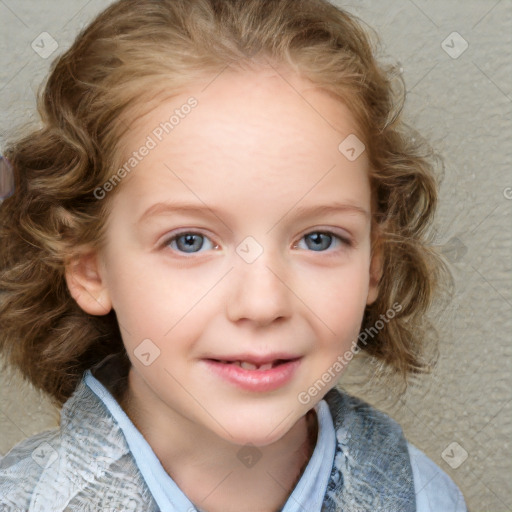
column 221, row 201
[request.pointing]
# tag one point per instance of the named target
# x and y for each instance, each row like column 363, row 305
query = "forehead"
column 270, row 98
column 268, row 129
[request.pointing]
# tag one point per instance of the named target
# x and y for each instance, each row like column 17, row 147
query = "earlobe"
column 86, row 285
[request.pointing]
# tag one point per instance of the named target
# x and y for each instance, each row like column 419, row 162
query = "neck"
column 231, row 476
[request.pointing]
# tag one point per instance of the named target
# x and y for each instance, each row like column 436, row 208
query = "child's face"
column 251, row 158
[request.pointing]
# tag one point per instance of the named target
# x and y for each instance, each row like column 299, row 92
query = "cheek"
column 339, row 302
column 347, row 285
column 150, row 300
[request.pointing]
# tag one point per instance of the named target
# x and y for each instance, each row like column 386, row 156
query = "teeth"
column 250, row 366
column 247, row 366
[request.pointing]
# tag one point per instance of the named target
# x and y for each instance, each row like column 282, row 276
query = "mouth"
column 255, row 374
column 248, row 365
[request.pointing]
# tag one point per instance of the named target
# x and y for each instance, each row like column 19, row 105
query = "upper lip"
column 258, row 359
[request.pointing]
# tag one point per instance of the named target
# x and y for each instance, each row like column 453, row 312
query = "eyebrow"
column 300, row 211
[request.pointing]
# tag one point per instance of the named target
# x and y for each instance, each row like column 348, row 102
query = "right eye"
column 188, row 242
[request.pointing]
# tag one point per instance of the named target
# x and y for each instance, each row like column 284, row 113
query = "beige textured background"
column 463, row 103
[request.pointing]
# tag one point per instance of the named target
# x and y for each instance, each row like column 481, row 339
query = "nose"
column 259, row 291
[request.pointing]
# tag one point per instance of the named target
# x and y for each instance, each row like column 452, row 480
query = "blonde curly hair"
column 132, row 51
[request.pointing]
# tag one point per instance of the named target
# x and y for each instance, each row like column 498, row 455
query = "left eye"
column 318, row 241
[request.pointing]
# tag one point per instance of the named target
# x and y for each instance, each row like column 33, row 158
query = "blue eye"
column 187, row 242
column 322, row 240
column 190, row 242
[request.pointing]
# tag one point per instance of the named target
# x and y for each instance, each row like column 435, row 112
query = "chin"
column 257, row 432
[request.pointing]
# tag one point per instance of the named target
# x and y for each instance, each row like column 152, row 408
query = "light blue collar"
column 308, row 494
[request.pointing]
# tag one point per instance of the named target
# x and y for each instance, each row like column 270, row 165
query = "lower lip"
column 255, row 380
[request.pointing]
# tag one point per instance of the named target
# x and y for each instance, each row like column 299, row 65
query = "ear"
column 376, row 271
column 87, row 285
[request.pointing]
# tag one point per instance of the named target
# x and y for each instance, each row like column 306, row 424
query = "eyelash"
column 347, row 242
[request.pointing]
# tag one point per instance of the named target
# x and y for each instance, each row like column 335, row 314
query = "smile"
column 250, row 376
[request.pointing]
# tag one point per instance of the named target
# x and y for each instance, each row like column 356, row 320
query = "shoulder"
column 372, row 462
column 373, row 435
column 84, row 464
column 22, row 467
column 369, row 430
column 434, row 489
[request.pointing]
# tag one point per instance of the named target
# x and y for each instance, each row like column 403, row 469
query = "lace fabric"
column 87, row 465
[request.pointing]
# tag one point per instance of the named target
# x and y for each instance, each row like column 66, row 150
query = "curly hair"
column 130, row 53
